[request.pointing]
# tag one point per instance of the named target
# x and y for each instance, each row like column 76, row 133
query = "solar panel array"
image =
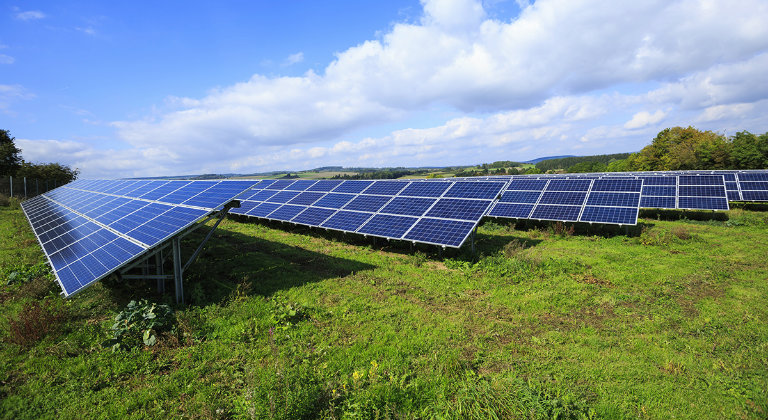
column 439, row 213
column 611, row 201
column 88, row 229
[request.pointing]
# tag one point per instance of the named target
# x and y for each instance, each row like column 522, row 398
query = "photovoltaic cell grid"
column 441, row 212
column 612, row 201
column 90, row 228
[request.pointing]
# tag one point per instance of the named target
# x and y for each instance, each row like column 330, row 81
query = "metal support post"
column 200, row 248
column 178, row 272
column 25, row 187
column 37, row 186
column 159, row 272
column 472, row 238
column 10, row 181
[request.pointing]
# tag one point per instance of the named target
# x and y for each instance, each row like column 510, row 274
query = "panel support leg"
column 178, row 272
column 472, row 239
column 159, row 272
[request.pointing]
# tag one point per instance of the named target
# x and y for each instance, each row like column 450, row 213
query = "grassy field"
column 668, row 321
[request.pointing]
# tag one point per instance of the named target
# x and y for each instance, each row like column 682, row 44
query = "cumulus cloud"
column 548, row 81
column 644, row 119
column 11, row 93
column 30, row 15
column 294, row 59
column 6, row 59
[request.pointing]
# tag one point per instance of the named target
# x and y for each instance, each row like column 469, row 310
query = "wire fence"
column 22, row 187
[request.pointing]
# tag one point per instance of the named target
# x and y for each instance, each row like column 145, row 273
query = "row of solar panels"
column 90, row 228
column 751, row 185
column 442, row 213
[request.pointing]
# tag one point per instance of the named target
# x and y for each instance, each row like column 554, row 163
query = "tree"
column 10, row 155
column 678, row 148
column 61, row 174
column 749, row 151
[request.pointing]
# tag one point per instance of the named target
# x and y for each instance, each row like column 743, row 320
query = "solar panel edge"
column 47, row 256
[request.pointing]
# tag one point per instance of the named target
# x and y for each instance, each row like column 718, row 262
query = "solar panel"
column 388, row 226
column 425, row 189
column 352, row 187
column 449, row 208
column 347, row 221
column 86, row 233
column 440, row 232
column 702, row 192
column 286, row 212
column 408, row 206
column 753, row 186
column 334, row 200
column 369, row 203
column 482, row 190
column 313, row 216
column 386, row 187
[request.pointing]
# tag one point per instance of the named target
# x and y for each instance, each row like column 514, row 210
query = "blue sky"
column 149, row 89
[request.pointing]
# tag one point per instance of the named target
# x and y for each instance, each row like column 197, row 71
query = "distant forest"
column 598, row 163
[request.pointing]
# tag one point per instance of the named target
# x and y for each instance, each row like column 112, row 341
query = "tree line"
column 12, row 164
column 676, row 149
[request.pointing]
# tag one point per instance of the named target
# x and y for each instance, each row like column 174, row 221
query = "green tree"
column 57, row 172
column 10, row 155
column 679, row 148
column 749, row 151
column 618, row 165
column 585, row 167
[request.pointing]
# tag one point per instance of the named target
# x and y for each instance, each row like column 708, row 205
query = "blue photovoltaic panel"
column 527, row 184
column 733, row 195
column 701, row 191
column 525, row 197
column 87, row 235
column 245, row 206
column 263, row 209
column 409, row 206
column 218, row 194
column 658, row 202
column 369, row 203
column 425, row 189
column 386, row 187
column 324, row 185
column 306, row 198
column 659, row 191
column 700, row 180
column 352, row 187
column 286, row 212
column 262, row 195
column 753, row 176
column 313, row 216
column 611, row 199
column 264, row 183
column 483, row 190
column 282, row 197
column 348, row 221
column 617, row 185
column 556, row 212
column 568, row 198
column 616, row 215
column 281, row 184
column 440, row 232
column 164, row 190
column 516, row 211
column 301, row 185
column 703, row 203
column 388, row 226
column 754, row 195
column 334, row 200
column 569, row 185
column 754, row 185
column 660, row 180
column 448, row 208
column 184, row 193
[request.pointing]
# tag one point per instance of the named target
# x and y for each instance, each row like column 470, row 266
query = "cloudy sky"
column 178, row 87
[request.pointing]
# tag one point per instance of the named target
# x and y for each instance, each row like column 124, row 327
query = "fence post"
column 25, row 187
column 37, row 187
column 10, row 181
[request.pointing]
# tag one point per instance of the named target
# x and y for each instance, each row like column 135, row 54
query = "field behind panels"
column 670, row 321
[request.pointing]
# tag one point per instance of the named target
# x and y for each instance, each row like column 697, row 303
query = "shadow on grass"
column 671, row 215
column 234, row 263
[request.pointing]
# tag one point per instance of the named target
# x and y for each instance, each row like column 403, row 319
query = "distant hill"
column 537, row 160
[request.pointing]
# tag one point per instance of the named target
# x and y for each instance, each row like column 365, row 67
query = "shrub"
column 140, row 322
column 4, row 200
column 35, row 321
column 681, row 233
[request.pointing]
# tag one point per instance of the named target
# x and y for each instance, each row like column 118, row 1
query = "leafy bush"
column 25, row 273
column 285, row 314
column 140, row 322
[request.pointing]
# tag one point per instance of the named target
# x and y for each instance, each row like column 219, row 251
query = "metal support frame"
column 178, row 267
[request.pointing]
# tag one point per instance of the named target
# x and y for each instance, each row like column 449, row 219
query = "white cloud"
column 644, row 119
column 30, row 15
column 6, row 59
column 11, row 93
column 294, row 59
column 564, row 75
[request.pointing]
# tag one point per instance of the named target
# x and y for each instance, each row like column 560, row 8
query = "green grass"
column 293, row 323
